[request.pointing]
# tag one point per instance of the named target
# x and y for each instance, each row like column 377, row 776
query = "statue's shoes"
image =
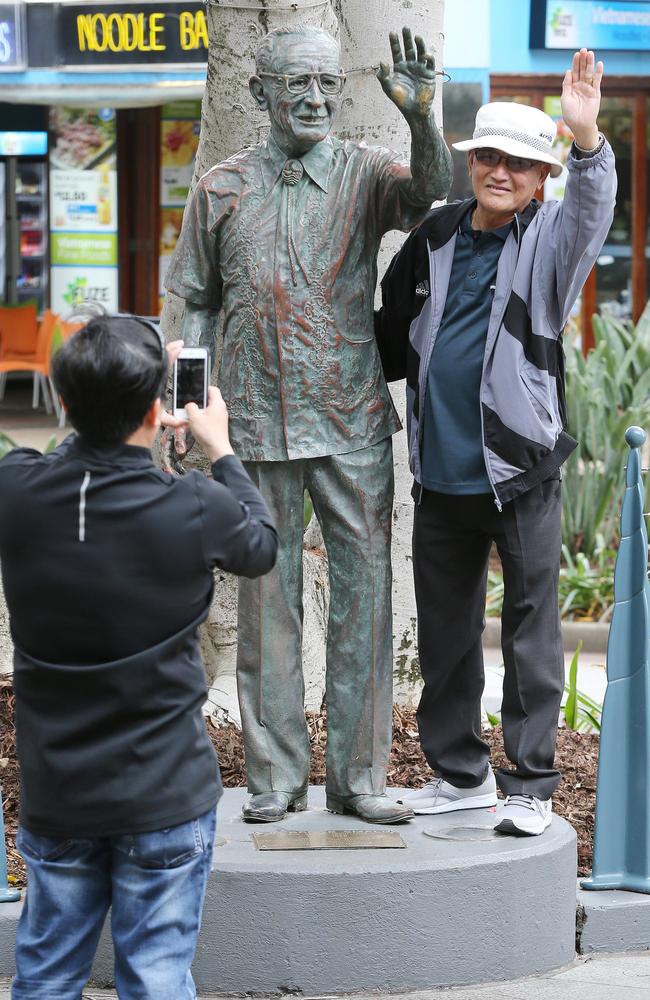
column 372, row 808
column 269, row 807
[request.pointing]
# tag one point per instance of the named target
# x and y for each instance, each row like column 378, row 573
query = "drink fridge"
column 24, row 267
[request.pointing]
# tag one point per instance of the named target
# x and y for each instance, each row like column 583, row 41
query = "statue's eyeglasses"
column 515, row 164
column 299, row 83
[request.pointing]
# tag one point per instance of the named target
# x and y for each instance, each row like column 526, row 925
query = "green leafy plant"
column 6, row 444
column 580, row 711
column 571, row 687
column 607, row 391
column 586, row 586
column 308, row 509
column 494, row 595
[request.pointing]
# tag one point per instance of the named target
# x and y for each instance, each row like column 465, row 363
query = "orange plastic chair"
column 18, row 329
column 36, row 361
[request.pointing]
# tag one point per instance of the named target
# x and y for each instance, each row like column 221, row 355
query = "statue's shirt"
column 288, row 250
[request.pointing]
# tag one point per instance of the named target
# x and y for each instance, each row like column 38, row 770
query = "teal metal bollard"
column 7, row 895
column 622, row 830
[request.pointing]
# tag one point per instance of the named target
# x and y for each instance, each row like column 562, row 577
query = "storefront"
column 521, row 56
column 98, row 133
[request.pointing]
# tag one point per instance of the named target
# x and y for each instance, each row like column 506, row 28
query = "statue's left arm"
column 411, row 86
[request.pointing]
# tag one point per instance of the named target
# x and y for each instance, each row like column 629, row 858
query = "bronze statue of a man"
column 283, row 237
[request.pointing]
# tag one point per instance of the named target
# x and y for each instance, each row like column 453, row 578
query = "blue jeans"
column 155, row 885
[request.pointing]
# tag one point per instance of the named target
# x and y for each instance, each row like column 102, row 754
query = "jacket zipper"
column 497, row 502
column 422, row 382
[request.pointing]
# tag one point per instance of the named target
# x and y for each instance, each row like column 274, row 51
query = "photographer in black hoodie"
column 107, row 566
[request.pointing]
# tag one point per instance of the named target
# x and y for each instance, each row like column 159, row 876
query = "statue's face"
column 299, row 121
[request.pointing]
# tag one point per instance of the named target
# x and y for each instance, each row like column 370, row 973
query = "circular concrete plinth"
column 465, row 906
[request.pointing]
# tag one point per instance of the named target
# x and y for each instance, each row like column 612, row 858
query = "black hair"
column 108, row 375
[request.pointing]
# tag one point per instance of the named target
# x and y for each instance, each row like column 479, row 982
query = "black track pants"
column 451, row 543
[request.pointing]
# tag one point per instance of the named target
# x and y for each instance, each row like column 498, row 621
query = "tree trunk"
column 368, row 116
column 230, row 120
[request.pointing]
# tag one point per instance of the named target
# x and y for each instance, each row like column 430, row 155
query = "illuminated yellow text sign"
column 127, row 32
column 137, row 34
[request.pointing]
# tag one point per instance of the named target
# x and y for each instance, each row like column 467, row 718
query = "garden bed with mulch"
column 577, row 759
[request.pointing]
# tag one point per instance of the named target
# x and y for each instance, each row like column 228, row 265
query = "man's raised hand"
column 581, row 98
column 411, row 83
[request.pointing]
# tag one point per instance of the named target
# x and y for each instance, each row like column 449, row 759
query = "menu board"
column 180, row 127
column 83, row 209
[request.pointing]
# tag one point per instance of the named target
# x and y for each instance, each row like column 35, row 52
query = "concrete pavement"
column 622, row 976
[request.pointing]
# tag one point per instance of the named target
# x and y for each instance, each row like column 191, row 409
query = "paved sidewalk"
column 623, row 976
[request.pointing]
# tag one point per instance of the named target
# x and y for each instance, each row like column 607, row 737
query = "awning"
column 112, row 89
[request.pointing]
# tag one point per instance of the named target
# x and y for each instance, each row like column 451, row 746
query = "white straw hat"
column 517, row 130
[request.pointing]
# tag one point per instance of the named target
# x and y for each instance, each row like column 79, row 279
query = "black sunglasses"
column 516, row 164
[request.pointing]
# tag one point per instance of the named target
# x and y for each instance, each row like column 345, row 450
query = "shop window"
column 614, row 265
column 180, row 129
column 647, row 201
column 514, row 98
column 460, row 102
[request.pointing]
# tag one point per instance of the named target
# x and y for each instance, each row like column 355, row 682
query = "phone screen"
column 190, row 382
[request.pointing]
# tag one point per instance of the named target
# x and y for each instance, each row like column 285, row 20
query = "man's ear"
column 152, row 416
column 256, row 88
column 543, row 174
column 470, row 161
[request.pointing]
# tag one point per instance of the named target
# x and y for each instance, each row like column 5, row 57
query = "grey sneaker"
column 439, row 796
column 524, row 816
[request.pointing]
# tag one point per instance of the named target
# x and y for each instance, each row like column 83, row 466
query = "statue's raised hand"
column 411, row 83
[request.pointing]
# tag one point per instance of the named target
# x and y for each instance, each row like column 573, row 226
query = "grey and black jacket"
column 543, row 265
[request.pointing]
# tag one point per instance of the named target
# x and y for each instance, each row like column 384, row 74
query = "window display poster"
column 180, row 127
column 76, row 286
column 554, row 186
column 83, row 209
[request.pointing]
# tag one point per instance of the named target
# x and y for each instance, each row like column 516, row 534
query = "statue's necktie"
column 292, row 172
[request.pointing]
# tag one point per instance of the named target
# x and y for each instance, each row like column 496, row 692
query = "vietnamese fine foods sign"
column 622, row 25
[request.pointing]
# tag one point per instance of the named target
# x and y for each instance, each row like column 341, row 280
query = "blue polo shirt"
column 452, row 443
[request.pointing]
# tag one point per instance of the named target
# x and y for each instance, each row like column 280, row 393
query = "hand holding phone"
column 210, row 426
column 190, row 380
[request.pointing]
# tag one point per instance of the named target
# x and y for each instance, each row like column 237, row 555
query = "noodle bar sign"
column 140, row 35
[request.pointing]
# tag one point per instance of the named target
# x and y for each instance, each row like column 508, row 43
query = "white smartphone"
column 190, row 379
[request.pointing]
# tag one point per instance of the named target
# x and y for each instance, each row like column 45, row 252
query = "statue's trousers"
column 352, row 496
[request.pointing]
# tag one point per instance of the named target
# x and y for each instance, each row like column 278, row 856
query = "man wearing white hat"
column 474, row 306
